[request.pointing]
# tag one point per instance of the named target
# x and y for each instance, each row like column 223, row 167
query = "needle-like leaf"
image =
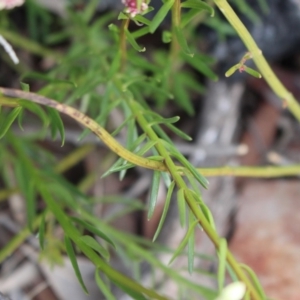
column 9, row 120
column 184, row 241
column 91, row 242
column 161, row 14
column 165, row 210
column 181, row 206
column 154, row 193
column 73, row 259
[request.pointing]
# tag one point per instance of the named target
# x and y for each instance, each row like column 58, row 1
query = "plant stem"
column 123, row 47
column 288, row 99
column 175, row 48
column 88, row 123
column 192, row 203
column 245, row 171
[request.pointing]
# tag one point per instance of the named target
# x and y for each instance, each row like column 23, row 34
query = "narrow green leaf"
column 161, row 15
column 133, row 42
column 9, row 120
column 193, row 182
column 182, row 42
column 200, row 178
column 248, row 10
column 191, row 245
column 20, row 119
column 26, row 183
column 201, row 66
column 198, row 5
column 181, row 206
column 142, row 63
column 56, row 38
column 222, row 253
column 122, row 16
column 255, row 281
column 56, row 124
column 263, row 6
column 142, row 20
column 165, row 210
column 161, row 133
column 208, row 214
column 42, row 228
column 140, row 32
column 154, row 193
column 89, row 11
column 94, row 230
column 103, row 287
column 25, row 87
column 134, row 294
column 166, row 178
column 114, row 28
column 232, row 70
column 47, row 78
column 156, row 91
column 184, row 241
column 115, row 65
column 187, row 17
column 160, row 120
column 251, row 72
column 182, row 95
column 189, row 81
column 72, row 256
column 124, row 123
column 222, row 27
column 91, row 242
column 121, row 168
column 149, row 145
column 179, row 132
column 37, row 110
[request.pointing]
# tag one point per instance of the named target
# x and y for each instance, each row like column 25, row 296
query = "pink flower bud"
column 132, row 7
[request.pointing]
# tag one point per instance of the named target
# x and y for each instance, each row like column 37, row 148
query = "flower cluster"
column 132, row 7
column 9, row 4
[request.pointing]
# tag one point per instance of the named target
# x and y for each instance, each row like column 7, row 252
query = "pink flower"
column 9, row 4
column 132, row 7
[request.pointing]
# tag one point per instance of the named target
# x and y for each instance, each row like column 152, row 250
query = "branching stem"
column 288, row 99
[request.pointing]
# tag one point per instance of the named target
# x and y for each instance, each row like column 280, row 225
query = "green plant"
column 101, row 72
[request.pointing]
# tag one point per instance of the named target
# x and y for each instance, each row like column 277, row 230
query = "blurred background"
column 233, row 121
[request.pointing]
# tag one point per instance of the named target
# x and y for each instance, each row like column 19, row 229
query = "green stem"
column 192, row 203
column 88, row 123
column 176, row 17
column 123, row 48
column 288, row 99
column 245, row 171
